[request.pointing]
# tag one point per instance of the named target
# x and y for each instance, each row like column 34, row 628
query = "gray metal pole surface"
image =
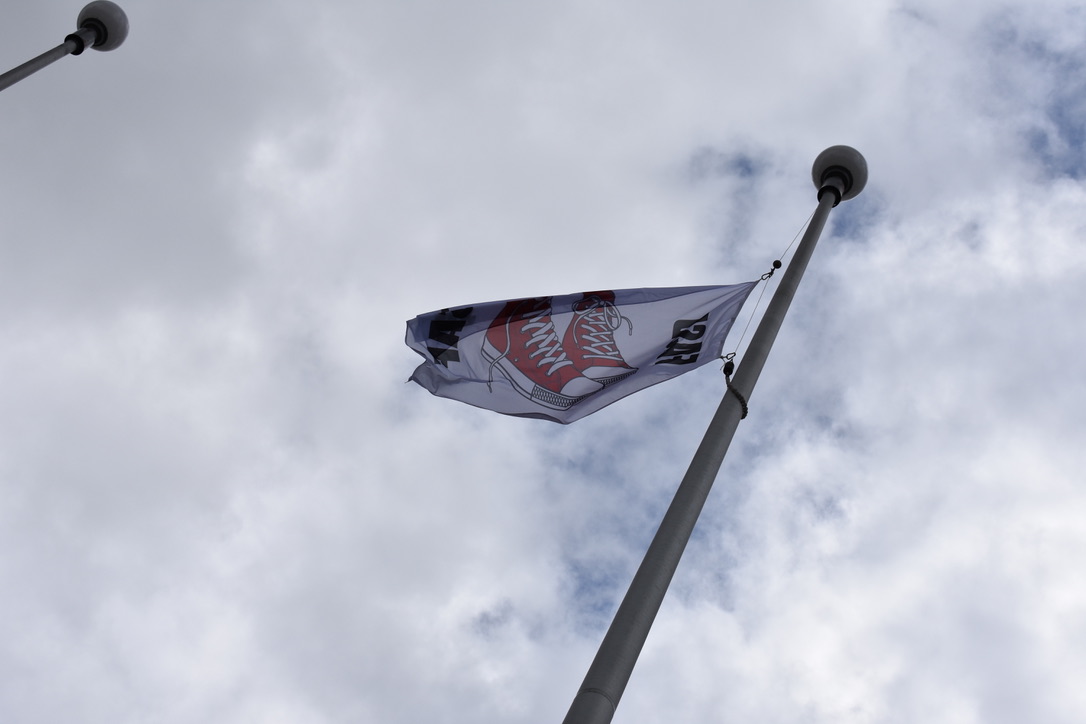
column 15, row 75
column 102, row 25
column 839, row 173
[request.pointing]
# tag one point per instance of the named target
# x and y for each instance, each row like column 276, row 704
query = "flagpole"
column 101, row 25
column 839, row 173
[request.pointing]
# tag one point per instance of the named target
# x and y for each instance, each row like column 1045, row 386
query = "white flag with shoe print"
column 561, row 358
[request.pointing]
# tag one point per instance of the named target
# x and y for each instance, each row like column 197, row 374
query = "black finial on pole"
column 105, row 24
column 101, row 25
column 841, row 170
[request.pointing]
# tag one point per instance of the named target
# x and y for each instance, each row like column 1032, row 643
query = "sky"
column 221, row 502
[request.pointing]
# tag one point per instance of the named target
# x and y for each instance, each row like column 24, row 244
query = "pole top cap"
column 108, row 21
column 844, row 163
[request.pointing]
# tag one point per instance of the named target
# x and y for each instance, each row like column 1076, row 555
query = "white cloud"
column 219, row 500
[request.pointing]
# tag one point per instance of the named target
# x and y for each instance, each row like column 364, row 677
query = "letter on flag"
column 561, row 358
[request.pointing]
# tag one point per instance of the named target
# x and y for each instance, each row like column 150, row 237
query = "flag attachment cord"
column 801, row 228
column 729, row 364
column 768, row 274
column 729, row 367
column 766, row 277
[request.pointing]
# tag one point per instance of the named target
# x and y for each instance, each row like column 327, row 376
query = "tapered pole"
column 101, row 25
column 839, row 173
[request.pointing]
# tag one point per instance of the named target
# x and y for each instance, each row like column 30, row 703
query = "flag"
column 561, row 358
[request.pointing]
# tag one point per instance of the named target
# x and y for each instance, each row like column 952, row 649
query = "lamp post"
column 101, row 25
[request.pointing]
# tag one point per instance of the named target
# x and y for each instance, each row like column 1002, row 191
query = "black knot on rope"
column 729, row 368
column 776, row 266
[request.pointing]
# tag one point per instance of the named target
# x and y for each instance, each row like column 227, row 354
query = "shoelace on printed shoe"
column 541, row 327
column 602, row 320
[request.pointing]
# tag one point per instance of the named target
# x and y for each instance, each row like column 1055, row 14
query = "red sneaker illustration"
column 522, row 344
column 590, row 338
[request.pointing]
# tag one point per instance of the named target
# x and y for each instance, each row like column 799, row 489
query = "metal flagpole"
column 839, row 173
column 102, row 25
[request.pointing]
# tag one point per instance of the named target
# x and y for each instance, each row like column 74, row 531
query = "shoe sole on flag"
column 605, row 381
column 526, row 387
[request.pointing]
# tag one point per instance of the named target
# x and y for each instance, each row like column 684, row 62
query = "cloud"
column 220, row 501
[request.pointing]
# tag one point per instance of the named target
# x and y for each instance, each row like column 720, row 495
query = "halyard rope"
column 729, row 359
